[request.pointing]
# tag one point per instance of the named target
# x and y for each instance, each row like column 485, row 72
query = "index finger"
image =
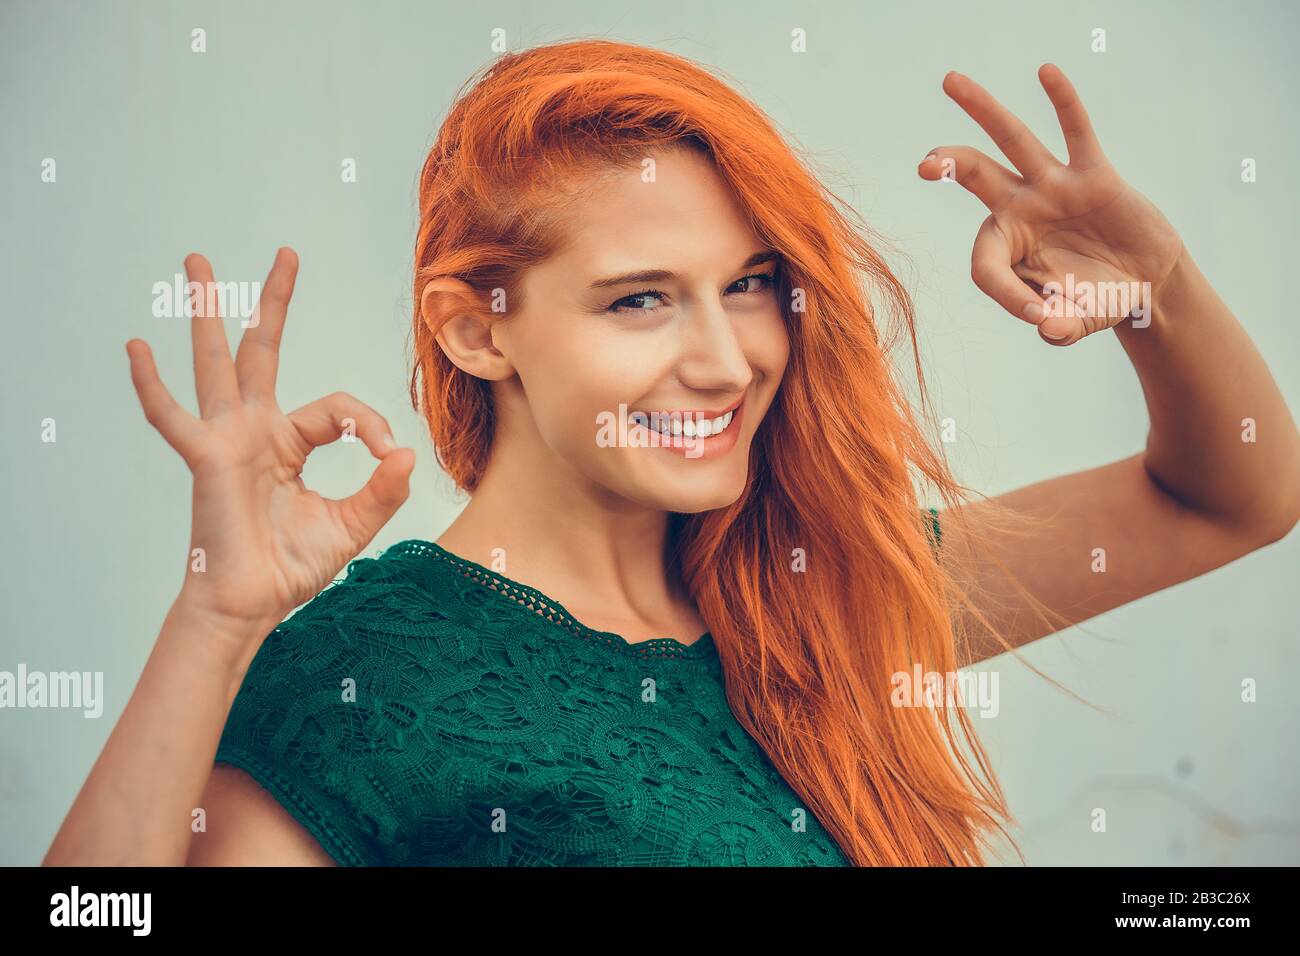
column 1011, row 135
column 1080, row 141
column 258, row 357
column 214, row 372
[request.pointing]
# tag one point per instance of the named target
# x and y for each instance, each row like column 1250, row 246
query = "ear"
column 462, row 334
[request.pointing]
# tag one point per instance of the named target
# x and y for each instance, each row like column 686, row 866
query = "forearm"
column 136, row 806
column 1202, row 377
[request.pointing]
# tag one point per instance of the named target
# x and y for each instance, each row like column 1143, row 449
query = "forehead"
column 677, row 214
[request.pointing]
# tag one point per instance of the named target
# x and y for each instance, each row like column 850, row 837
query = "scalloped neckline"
column 700, row 649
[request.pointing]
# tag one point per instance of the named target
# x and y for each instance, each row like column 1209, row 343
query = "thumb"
column 365, row 512
column 1064, row 324
column 991, row 271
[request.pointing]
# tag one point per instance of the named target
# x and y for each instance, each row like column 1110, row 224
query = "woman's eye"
column 649, row 300
column 766, row 282
column 636, row 299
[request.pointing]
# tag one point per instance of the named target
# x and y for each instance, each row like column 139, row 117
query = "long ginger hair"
column 808, row 657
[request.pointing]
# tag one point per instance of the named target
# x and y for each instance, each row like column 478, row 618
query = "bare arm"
column 1220, row 476
column 262, row 544
column 137, row 804
column 1151, row 541
column 247, row 827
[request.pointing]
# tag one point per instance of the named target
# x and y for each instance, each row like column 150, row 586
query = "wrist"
column 1173, row 286
column 1160, row 300
column 224, row 640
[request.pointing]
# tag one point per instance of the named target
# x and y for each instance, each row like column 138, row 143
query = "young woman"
column 668, row 626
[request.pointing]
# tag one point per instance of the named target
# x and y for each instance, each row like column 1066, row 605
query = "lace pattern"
column 425, row 710
column 553, row 611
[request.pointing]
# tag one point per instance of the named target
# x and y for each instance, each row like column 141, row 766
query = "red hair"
column 808, row 657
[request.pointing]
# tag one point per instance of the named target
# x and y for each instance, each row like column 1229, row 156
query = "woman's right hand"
column 268, row 543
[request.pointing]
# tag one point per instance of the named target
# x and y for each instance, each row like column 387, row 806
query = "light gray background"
column 161, row 151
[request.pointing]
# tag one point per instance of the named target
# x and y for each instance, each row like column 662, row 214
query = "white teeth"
column 673, row 423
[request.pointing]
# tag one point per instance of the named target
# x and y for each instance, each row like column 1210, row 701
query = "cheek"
column 767, row 345
column 572, row 385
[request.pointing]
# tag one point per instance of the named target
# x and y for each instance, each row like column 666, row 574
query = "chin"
column 697, row 497
column 657, row 479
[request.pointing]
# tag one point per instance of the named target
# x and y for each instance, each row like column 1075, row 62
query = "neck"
column 601, row 556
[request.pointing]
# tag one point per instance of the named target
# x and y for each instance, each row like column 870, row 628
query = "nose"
column 712, row 358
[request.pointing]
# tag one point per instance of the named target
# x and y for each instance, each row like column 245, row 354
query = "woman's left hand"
column 1074, row 243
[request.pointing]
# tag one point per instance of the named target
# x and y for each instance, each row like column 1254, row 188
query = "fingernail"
column 1034, row 312
column 1051, row 336
column 389, row 443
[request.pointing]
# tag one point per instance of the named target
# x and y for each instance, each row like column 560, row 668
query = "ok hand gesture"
column 1071, row 249
column 269, row 543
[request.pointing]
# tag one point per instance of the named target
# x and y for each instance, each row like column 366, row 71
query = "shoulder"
column 361, row 589
column 331, row 690
column 376, row 599
column 366, row 615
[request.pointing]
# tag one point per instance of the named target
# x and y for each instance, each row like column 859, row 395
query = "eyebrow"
column 662, row 275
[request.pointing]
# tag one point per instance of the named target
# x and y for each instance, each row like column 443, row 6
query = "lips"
column 690, row 423
column 672, row 430
column 675, row 424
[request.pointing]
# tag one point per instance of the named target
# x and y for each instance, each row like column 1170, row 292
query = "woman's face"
column 651, row 386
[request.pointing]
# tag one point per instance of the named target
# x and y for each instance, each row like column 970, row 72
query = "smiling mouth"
column 688, row 424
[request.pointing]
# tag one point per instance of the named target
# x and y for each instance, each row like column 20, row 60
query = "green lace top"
column 428, row 711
